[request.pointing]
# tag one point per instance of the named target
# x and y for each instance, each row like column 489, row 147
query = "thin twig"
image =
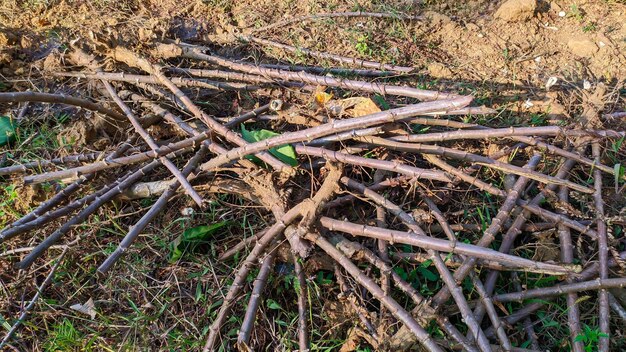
column 491, row 312
column 603, row 254
column 178, row 81
column 567, row 256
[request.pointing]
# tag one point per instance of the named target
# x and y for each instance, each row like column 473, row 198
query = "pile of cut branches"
column 371, row 190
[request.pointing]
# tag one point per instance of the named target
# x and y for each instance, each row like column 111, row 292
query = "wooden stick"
column 487, row 133
column 567, row 256
column 14, row 97
column 617, row 307
column 40, row 164
column 472, row 180
column 178, row 81
column 323, row 71
column 604, row 313
column 444, row 246
column 226, row 75
column 383, row 250
column 453, row 262
column 557, row 290
column 302, row 292
column 403, row 169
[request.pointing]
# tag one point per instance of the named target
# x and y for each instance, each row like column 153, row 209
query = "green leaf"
column 285, row 153
column 7, row 130
column 380, row 101
column 428, row 275
column 190, row 238
column 271, row 304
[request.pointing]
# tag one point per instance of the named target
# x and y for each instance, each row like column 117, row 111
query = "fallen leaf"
column 88, row 308
column 7, row 130
column 321, row 97
column 285, row 153
column 192, row 237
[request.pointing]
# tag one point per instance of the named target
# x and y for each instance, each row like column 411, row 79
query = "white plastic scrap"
column 551, row 82
column 528, row 103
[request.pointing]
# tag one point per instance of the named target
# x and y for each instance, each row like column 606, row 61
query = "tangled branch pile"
column 370, row 190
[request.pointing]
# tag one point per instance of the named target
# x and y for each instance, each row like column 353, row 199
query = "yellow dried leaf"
column 321, row 98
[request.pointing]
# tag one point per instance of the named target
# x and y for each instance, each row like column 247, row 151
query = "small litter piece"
column 88, row 308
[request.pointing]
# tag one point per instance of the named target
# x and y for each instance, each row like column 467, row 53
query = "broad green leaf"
column 190, row 238
column 285, row 153
column 7, row 130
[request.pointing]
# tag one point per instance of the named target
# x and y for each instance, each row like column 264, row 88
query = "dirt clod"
column 436, row 18
column 438, row 70
column 516, row 10
column 582, row 47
